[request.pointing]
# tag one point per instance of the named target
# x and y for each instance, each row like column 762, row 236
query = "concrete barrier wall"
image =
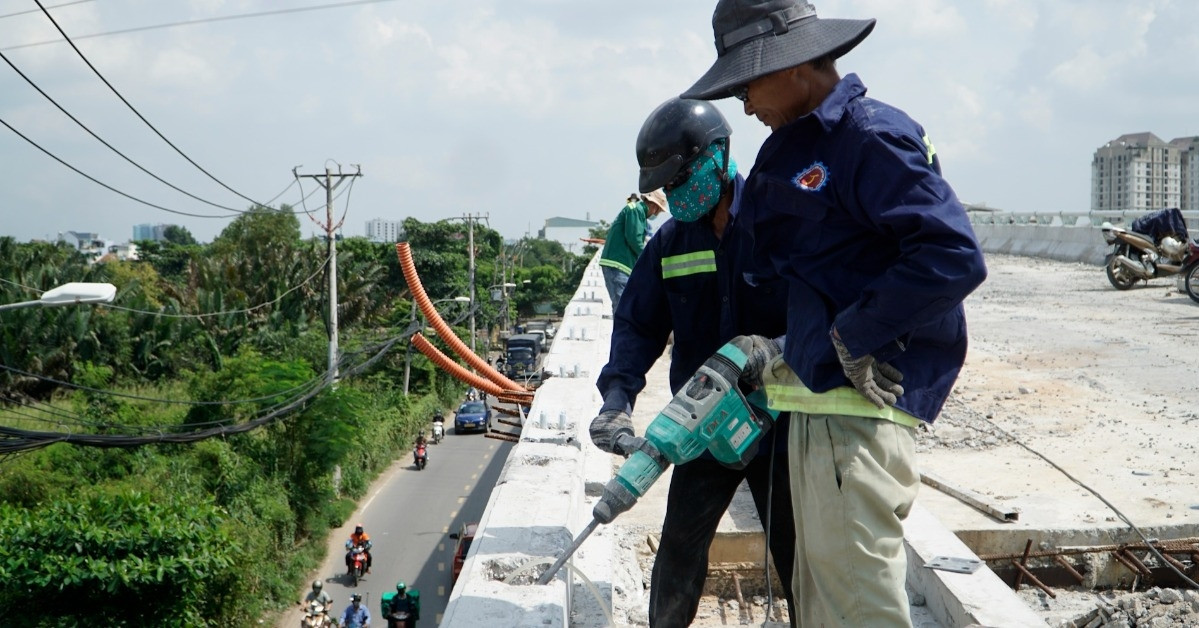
column 1068, row 243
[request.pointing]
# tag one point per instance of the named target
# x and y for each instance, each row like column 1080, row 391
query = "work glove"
column 877, row 381
column 609, row 425
column 759, row 351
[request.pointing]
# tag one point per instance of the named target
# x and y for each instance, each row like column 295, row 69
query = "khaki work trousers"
column 853, row 481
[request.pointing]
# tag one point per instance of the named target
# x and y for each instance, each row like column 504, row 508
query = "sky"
column 523, row 110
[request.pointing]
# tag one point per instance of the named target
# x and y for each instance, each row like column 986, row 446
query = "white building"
column 379, row 230
column 567, row 231
column 1136, row 172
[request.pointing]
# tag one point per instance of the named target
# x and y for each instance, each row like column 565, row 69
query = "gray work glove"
column 877, row 381
column 606, row 427
column 759, row 350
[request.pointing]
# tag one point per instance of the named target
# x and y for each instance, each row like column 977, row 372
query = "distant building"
column 567, row 232
column 379, row 230
column 1188, row 163
column 147, row 231
column 1137, row 172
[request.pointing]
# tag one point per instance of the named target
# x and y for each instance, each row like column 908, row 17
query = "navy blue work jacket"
column 847, row 203
column 697, row 285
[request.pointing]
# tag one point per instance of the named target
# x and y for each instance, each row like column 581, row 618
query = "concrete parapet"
column 1068, row 243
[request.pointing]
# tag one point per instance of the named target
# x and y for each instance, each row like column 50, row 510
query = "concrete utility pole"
column 330, row 230
column 470, row 246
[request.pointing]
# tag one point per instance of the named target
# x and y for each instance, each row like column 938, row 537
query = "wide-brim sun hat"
column 657, row 197
column 758, row 37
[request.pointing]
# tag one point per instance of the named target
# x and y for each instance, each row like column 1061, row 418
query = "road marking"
column 441, row 590
column 480, row 466
column 441, row 547
column 465, row 488
column 445, row 529
column 453, row 514
column 474, row 476
column 438, row 619
column 440, row 566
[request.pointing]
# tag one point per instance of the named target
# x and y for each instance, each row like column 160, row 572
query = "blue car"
column 472, row 415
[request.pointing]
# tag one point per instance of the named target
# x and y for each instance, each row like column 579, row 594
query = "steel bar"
column 511, row 438
column 1136, row 561
column 1033, row 579
column 1177, row 546
column 1061, row 560
column 1124, row 561
column 1021, row 565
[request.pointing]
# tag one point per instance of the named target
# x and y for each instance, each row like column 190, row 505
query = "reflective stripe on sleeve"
column 688, row 264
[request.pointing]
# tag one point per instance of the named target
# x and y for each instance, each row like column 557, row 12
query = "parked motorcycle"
column 357, row 562
column 317, row 616
column 1156, row 245
column 439, row 428
column 420, row 456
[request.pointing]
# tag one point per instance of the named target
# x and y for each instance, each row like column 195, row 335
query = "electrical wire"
column 1148, row 543
column 303, row 283
column 206, row 20
column 134, row 109
column 101, row 183
column 15, row 440
column 56, row 6
column 110, row 146
column 113, row 393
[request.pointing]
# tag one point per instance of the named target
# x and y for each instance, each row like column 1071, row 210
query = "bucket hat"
column 757, row 37
column 657, row 197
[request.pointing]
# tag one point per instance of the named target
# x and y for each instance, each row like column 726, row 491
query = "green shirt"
column 626, row 238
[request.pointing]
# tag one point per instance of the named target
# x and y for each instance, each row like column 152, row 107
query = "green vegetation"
column 219, row 531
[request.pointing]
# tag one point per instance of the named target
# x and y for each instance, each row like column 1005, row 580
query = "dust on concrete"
column 1099, row 381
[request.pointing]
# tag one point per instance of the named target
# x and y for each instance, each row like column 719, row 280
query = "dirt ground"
column 1099, row 381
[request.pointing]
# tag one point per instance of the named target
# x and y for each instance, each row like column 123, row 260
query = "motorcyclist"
column 404, row 602
column 356, row 614
column 438, row 423
column 358, row 538
column 421, row 447
column 318, row 595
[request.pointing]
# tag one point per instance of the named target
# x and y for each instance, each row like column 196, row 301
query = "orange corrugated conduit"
column 443, row 330
column 462, row 374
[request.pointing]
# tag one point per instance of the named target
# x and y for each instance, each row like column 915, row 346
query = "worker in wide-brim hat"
column 846, row 202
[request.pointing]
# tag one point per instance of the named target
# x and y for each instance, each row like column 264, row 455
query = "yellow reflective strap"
column 929, row 148
column 688, row 264
column 843, row 401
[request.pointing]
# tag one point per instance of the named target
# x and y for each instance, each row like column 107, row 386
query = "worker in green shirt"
column 626, row 240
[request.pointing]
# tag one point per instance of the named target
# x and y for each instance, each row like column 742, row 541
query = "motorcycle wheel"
column 1119, row 276
column 1192, row 282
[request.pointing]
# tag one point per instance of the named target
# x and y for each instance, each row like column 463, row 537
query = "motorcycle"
column 357, row 567
column 1156, row 245
column 420, row 456
column 398, row 619
column 439, row 429
column 317, row 616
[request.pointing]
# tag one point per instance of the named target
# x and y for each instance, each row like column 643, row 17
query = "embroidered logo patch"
column 812, row 178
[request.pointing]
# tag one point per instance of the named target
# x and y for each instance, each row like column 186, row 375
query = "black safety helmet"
column 673, row 135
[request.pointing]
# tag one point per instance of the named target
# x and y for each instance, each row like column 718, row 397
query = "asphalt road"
column 409, row 515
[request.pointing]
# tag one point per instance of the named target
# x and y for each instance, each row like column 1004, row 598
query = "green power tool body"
column 710, row 412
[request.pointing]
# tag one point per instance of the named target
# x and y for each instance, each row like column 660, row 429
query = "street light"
column 70, row 294
column 408, row 351
column 503, row 297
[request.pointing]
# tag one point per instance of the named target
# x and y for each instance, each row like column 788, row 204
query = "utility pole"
column 330, row 230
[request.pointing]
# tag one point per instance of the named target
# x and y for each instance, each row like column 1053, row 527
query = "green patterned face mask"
column 696, row 190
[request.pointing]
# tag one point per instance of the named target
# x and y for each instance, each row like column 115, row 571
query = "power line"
column 226, row 312
column 134, row 109
column 205, row 20
column 56, row 6
column 105, row 185
column 110, row 146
